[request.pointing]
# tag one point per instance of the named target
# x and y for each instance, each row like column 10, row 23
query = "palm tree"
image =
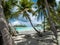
column 44, row 23
column 44, row 5
column 46, row 9
column 50, row 20
column 53, row 28
column 54, row 9
column 7, row 6
column 34, row 27
column 24, row 6
column 7, row 40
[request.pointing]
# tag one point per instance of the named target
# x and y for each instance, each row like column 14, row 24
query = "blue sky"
column 23, row 21
column 34, row 0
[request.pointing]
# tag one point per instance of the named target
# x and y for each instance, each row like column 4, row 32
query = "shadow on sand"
column 36, row 40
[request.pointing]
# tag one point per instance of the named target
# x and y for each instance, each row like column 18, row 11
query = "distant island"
column 20, row 26
column 37, row 25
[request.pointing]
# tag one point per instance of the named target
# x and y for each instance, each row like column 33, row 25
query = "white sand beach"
column 31, row 38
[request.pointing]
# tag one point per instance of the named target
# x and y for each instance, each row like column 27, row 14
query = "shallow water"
column 26, row 28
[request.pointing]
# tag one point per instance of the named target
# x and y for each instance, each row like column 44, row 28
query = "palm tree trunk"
column 44, row 23
column 45, row 15
column 7, row 40
column 52, row 25
column 53, row 28
column 39, row 33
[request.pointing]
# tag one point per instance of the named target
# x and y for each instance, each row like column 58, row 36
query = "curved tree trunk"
column 50, row 20
column 39, row 33
column 52, row 24
column 44, row 23
column 7, row 39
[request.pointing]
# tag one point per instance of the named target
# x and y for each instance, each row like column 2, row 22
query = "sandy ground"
column 31, row 38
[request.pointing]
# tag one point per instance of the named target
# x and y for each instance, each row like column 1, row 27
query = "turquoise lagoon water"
column 26, row 28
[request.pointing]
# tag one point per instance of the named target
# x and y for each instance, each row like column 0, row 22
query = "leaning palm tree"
column 53, row 28
column 44, row 5
column 6, row 37
column 33, row 25
column 50, row 20
column 46, row 9
column 24, row 7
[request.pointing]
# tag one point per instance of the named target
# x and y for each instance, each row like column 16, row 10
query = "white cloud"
column 15, row 23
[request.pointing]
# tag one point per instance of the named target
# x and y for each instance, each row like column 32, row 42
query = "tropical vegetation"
column 45, row 8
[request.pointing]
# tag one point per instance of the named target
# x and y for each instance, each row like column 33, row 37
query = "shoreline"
column 27, row 32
